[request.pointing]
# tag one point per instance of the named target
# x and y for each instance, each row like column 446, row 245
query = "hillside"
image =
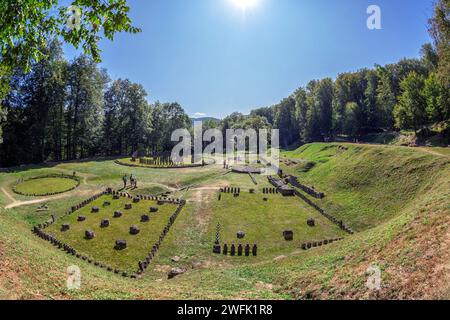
column 396, row 199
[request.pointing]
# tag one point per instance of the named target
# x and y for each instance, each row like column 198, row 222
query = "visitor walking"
column 131, row 181
column 124, row 179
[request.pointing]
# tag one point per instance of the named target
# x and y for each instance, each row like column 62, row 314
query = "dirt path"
column 10, row 197
column 16, row 203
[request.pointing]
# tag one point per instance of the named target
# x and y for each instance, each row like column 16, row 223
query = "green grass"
column 397, row 199
column 264, row 222
column 47, row 185
column 101, row 248
column 368, row 185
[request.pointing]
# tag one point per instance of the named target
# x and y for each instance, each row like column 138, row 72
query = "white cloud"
column 199, row 115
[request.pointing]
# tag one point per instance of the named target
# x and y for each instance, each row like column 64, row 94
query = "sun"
column 244, row 4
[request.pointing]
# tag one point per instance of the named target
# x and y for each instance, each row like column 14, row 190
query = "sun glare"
column 244, row 4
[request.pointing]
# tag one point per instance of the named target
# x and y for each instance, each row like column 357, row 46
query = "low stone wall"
column 142, row 265
column 159, row 167
column 232, row 190
column 239, row 250
column 55, row 175
column 270, row 191
column 320, row 243
column 330, row 217
column 309, row 190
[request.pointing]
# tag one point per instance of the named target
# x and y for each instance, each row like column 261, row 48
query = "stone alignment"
column 63, row 176
column 333, row 219
column 281, row 186
column 147, row 163
column 309, row 190
column 315, row 244
column 39, row 231
column 240, row 250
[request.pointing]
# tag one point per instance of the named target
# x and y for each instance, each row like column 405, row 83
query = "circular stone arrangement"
column 46, row 185
column 156, row 163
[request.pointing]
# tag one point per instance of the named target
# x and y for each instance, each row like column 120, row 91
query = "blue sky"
column 214, row 58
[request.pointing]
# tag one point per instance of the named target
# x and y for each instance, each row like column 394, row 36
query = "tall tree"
column 86, row 84
column 435, row 96
column 26, row 26
column 410, row 112
column 440, row 31
column 301, row 111
column 286, row 122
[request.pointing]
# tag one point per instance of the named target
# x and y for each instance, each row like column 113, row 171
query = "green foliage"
column 64, row 110
column 127, row 118
column 28, row 26
column 410, row 113
column 440, row 31
column 435, row 96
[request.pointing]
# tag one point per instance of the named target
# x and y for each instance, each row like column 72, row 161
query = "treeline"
column 412, row 94
column 65, row 110
column 406, row 95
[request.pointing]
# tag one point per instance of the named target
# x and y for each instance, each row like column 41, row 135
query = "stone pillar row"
column 330, row 217
column 143, row 265
column 314, row 244
column 241, row 250
column 38, row 230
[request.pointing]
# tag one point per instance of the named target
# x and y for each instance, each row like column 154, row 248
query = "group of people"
column 133, row 181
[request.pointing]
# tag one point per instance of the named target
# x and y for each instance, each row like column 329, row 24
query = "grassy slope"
column 409, row 240
column 366, row 185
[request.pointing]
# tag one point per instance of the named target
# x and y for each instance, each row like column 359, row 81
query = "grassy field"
column 45, row 185
column 395, row 198
column 101, row 248
column 264, row 222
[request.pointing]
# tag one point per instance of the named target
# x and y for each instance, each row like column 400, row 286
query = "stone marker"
column 175, row 272
column 65, row 227
column 81, row 218
column 255, row 250
column 134, row 230
column 216, row 248
column 247, row 250
column 128, row 206
column 225, row 249
column 145, row 218
column 240, row 250
column 89, row 235
column 117, row 214
column 95, row 209
column 288, row 235
column 311, row 222
column 241, row 235
column 106, row 203
column 104, row 223
column 153, row 209
column 233, row 250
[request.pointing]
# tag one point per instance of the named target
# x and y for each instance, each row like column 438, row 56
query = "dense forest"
column 69, row 110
